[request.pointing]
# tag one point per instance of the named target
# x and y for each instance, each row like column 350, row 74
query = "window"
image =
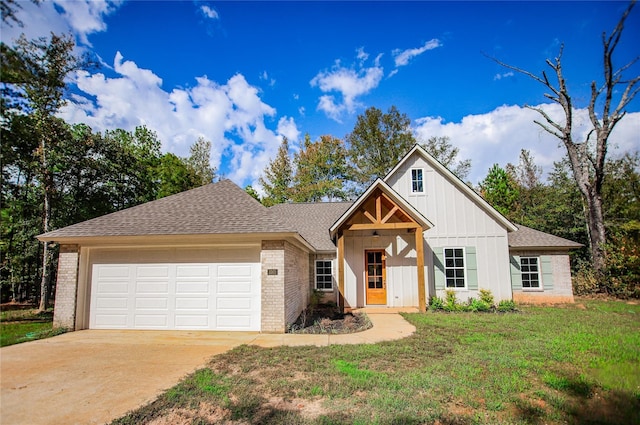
column 417, row 185
column 454, row 267
column 530, row 272
column 324, row 279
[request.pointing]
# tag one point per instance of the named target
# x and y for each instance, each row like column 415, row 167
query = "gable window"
column 530, row 272
column 324, row 279
column 417, row 184
column 454, row 267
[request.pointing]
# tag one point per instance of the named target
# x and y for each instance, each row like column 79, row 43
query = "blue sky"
column 244, row 74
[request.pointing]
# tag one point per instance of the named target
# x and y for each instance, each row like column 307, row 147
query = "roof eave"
column 176, row 239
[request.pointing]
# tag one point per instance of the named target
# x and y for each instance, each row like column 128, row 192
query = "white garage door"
column 176, row 295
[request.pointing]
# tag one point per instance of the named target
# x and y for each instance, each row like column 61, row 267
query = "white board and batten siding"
column 459, row 221
column 402, row 276
column 172, row 288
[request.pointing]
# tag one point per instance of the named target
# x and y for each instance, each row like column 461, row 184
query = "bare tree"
column 587, row 157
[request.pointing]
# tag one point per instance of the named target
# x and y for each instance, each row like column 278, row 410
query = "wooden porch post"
column 341, row 271
column 422, row 302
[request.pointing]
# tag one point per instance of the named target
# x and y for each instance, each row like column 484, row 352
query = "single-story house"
column 214, row 258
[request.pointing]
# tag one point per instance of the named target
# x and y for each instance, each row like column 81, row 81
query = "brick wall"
column 286, row 293
column 64, row 315
column 562, row 291
column 296, row 283
column 272, row 257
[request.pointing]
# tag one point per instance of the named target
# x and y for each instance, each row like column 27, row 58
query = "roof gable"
column 216, row 208
column 455, row 181
column 380, row 186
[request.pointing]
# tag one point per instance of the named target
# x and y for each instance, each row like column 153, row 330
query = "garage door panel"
column 234, row 271
column 112, row 321
column 193, row 321
column 192, row 303
column 184, row 271
column 112, row 303
column 146, row 321
column 152, row 271
column 177, row 294
column 113, row 287
column 233, row 303
column 114, row 272
column 192, row 287
column 240, row 287
column 233, row 322
column 148, row 303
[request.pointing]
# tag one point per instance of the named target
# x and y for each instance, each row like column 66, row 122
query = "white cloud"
column 265, row 77
column 81, row 18
column 504, row 75
column 402, row 57
column 209, row 12
column 499, row 135
column 349, row 83
column 231, row 115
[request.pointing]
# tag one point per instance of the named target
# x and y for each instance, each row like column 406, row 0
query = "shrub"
column 478, row 305
column 507, row 305
column 436, row 303
column 486, row 297
column 451, row 302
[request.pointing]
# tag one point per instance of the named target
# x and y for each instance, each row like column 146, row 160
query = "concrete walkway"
column 94, row 376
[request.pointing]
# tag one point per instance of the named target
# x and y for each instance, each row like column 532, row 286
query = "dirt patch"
column 207, row 412
column 327, row 319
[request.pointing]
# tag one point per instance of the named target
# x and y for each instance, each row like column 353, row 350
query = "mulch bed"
column 327, row 319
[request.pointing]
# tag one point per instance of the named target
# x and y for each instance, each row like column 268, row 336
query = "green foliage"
column 436, row 303
column 486, row 296
column 447, row 154
column 251, row 191
column 321, row 170
column 478, row 305
column 451, row 301
column 175, row 175
column 507, row 305
column 277, row 177
column 377, row 142
column 500, row 190
column 200, row 161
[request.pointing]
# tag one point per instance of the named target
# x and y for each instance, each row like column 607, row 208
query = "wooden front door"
column 376, row 277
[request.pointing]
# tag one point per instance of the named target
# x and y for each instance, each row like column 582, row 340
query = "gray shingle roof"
column 526, row 237
column 313, row 220
column 217, row 208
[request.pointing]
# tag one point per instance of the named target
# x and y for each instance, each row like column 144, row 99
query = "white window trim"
column 411, row 191
column 315, row 276
column 464, row 262
column 540, row 287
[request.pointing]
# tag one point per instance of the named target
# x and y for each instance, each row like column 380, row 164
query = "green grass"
column 23, row 325
column 542, row 365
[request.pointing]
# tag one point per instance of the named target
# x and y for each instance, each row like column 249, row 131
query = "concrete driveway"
column 96, row 376
column 93, row 377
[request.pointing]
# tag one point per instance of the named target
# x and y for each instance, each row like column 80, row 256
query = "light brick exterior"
column 285, row 294
column 64, row 315
column 296, row 284
column 562, row 291
column 272, row 298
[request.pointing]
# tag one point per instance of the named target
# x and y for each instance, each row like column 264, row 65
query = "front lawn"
column 25, row 324
column 577, row 364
